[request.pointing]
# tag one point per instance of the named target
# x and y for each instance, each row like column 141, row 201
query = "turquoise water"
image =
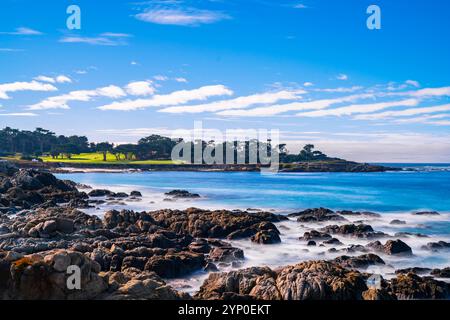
column 380, row 192
column 393, row 194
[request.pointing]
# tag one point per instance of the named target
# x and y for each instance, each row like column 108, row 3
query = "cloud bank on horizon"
column 161, row 65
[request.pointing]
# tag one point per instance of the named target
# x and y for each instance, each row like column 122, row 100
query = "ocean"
column 395, row 195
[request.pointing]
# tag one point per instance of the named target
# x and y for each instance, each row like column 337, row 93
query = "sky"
column 311, row 69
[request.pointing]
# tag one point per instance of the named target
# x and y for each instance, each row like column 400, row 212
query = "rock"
column 49, row 227
column 317, row 215
column 358, row 213
column 359, row 262
column 358, row 231
column 120, row 195
column 311, row 243
column 226, row 254
column 416, row 270
column 436, row 246
column 266, row 237
column 333, row 241
column 411, row 286
column 312, row 280
column 426, row 213
column 441, row 273
column 100, row 193
column 397, row 222
column 182, row 194
column 174, row 265
column 315, row 235
column 135, row 194
column 378, row 294
column 391, row 247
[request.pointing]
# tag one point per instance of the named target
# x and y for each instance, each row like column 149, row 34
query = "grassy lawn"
column 97, row 158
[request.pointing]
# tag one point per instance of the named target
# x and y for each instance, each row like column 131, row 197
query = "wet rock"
column 174, row 265
column 135, row 193
column 426, row 213
column 226, row 254
column 315, row 235
column 358, row 231
column 359, row 262
column 182, row 194
column 397, row 222
column 411, row 286
column 312, row 280
column 391, row 247
column 311, row 243
column 358, row 213
column 266, row 237
column 333, row 241
column 416, row 270
column 100, row 193
column 317, row 215
column 436, row 246
column 441, row 273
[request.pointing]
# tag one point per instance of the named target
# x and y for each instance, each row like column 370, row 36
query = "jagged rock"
column 359, row 262
column 391, row 247
column 174, row 265
column 358, row 213
column 411, row 286
column 317, row 215
column 358, row 231
column 436, row 246
column 312, row 280
column 182, row 194
column 416, row 270
column 397, row 222
column 266, row 237
column 315, row 235
column 226, row 254
column 441, row 273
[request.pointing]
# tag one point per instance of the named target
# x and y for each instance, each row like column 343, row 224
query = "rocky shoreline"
column 312, row 166
column 132, row 255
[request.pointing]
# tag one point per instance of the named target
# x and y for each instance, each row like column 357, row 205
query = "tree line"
column 33, row 144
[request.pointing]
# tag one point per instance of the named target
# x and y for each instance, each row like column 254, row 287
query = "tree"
column 104, row 148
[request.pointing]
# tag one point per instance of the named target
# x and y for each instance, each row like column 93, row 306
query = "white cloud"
column 59, row 79
column 23, row 32
column 424, row 93
column 115, row 35
column 360, row 108
column 24, row 86
column 63, row 79
column 340, row 90
column 295, row 106
column 181, row 17
column 342, row 77
column 180, row 79
column 140, row 88
column 300, row 6
column 160, row 77
column 105, row 39
column 237, row 103
column 10, row 50
column 308, row 84
column 171, row 99
column 18, row 114
column 413, row 83
column 61, row 101
column 403, row 113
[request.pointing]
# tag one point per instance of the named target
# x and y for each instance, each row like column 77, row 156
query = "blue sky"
column 311, row 69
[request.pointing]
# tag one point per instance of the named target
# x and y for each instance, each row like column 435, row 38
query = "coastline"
column 135, row 254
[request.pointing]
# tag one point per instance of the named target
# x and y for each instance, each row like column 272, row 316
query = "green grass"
column 97, row 158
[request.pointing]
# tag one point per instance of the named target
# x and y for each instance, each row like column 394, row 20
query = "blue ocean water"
column 403, row 191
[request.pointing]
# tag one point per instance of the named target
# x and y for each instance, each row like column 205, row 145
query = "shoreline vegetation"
column 44, row 149
column 131, row 255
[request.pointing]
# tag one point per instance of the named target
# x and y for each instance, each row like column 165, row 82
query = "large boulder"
column 317, row 215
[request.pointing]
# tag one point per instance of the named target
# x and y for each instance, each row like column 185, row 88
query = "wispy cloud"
column 181, row 16
column 104, row 39
column 22, row 31
column 58, row 79
column 295, row 106
column 18, row 114
column 5, row 88
column 61, row 101
column 342, row 77
column 237, row 103
column 10, row 50
column 171, row 99
column 403, row 113
column 360, row 108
